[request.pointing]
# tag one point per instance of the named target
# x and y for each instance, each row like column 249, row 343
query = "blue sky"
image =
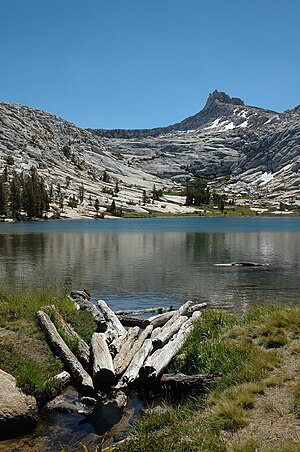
column 147, row 63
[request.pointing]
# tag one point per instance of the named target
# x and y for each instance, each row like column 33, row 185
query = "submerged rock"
column 18, row 412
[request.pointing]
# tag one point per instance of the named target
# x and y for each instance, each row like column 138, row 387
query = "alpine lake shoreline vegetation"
column 250, row 356
column 27, row 197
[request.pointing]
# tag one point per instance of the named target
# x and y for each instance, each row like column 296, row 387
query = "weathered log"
column 122, row 365
column 183, row 310
column 103, row 370
column 158, row 310
column 132, row 371
column 68, row 357
column 128, row 342
column 180, row 385
column 167, row 332
column 115, row 344
column 158, row 320
column 243, row 264
column 161, row 358
column 83, row 351
column 82, row 302
column 115, row 328
column 196, row 307
column 127, row 320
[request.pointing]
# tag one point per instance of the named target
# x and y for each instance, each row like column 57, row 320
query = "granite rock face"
column 257, row 150
column 18, row 412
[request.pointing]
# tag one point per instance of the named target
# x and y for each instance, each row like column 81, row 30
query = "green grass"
column 24, row 351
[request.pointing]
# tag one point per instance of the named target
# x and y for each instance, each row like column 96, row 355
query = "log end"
column 104, row 379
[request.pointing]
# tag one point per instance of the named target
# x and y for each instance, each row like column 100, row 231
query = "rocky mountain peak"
column 221, row 97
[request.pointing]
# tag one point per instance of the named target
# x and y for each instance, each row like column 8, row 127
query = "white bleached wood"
column 167, row 332
column 158, row 320
column 122, row 365
column 126, row 345
column 67, row 356
column 115, row 328
column 83, row 352
column 132, row 371
column 103, row 370
column 183, row 310
column 161, row 358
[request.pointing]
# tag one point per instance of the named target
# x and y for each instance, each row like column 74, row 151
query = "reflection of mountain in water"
column 156, row 267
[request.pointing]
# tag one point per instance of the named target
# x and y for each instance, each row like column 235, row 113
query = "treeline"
column 197, row 193
column 23, row 195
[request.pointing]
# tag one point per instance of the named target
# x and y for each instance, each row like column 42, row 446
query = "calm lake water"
column 157, row 262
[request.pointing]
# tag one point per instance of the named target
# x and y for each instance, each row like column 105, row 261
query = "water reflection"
column 131, row 268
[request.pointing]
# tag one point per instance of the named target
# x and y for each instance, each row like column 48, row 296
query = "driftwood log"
column 127, row 320
column 176, row 386
column 183, row 310
column 159, row 310
column 128, row 342
column 103, row 370
column 158, row 320
column 83, row 352
column 132, row 372
column 67, row 356
column 167, row 332
column 196, row 307
column 243, row 264
column 161, row 358
column 121, row 357
column 115, row 329
column 123, row 364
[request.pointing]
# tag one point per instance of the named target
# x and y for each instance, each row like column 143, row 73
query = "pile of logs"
column 125, row 350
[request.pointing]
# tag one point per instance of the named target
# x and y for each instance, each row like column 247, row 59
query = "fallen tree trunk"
column 161, row 358
column 127, row 320
column 123, row 364
column 183, row 310
column 243, row 264
column 167, row 332
column 83, row 348
column 103, row 370
column 68, row 357
column 115, row 328
column 132, row 372
column 127, row 344
column 158, row 320
column 180, row 385
column 196, row 307
column 159, row 310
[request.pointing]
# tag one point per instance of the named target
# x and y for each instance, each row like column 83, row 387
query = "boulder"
column 18, row 412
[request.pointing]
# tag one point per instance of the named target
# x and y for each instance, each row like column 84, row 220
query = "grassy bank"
column 258, row 359
column 24, row 351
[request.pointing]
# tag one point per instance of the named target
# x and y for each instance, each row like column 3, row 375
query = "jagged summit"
column 219, row 106
column 220, row 96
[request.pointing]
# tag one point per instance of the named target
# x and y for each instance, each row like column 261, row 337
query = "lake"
column 135, row 263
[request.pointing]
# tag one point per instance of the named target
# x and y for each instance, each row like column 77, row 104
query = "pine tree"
column 97, row 205
column 81, row 192
column 3, row 197
column 15, row 196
